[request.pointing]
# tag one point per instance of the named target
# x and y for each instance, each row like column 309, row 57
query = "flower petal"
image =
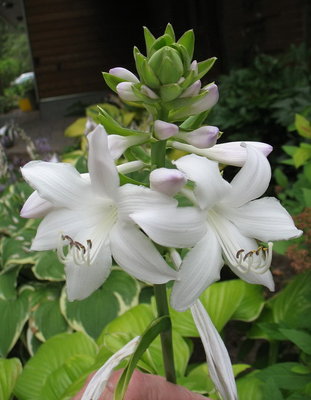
column 265, row 279
column 35, row 207
column 172, row 227
column 231, row 153
column 136, row 254
column 264, row 219
column 218, row 360
column 200, row 268
column 117, row 144
column 251, row 181
column 99, row 381
column 134, row 198
column 83, row 280
column 103, row 172
column 124, row 74
column 210, row 186
column 168, row 181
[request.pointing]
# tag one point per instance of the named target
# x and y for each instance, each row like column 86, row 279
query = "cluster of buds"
column 169, row 84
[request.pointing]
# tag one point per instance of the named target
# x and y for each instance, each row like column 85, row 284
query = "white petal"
column 124, row 73
column 148, row 92
column 99, row 381
column 218, row 360
column 179, row 227
column 167, row 180
column 35, row 207
column 133, row 198
column 204, row 137
column 136, row 254
column 264, row 219
column 117, row 144
column 192, row 90
column 103, row 172
column 231, row 153
column 251, row 181
column 210, row 186
column 200, row 268
column 125, row 91
column 83, row 280
column 265, row 279
column 66, row 222
column 59, row 183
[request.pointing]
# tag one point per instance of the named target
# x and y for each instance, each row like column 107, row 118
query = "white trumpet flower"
column 235, row 220
column 93, row 217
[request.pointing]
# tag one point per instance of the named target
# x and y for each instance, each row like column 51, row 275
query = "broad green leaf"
column 303, row 126
column 284, row 376
column 290, row 150
column 238, row 368
column 271, row 390
column 197, row 380
column 10, row 369
column 301, row 155
column 307, row 196
column 250, row 387
column 205, row 66
column 112, row 126
column 8, row 283
column 48, row 267
column 77, row 128
column 47, row 320
column 55, row 354
column 280, row 177
column 14, row 313
column 301, row 339
column 251, row 304
column 15, row 251
column 119, row 292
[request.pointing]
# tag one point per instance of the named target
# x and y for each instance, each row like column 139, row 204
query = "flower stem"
column 166, row 336
column 158, row 151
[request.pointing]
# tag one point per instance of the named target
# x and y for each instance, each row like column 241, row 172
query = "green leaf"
column 112, row 81
column 187, row 40
column 156, row 327
column 10, row 369
column 271, row 390
column 205, row 66
column 149, row 40
column 120, row 291
column 170, row 31
column 197, row 380
column 300, row 338
column 250, row 387
column 303, row 126
column 170, row 92
column 14, row 314
column 301, row 155
column 113, row 126
column 194, row 122
column 48, row 267
column 307, row 196
column 160, row 42
column 290, row 150
column 8, row 283
column 69, row 352
column 280, row 177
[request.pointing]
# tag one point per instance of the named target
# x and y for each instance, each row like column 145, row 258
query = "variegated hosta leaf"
column 58, row 363
column 8, row 282
column 10, row 369
column 118, row 294
column 48, row 267
column 14, row 313
column 223, row 301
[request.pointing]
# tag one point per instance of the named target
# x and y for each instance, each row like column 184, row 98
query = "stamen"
column 76, row 251
column 258, row 261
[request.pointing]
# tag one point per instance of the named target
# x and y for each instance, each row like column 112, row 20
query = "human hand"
column 146, row 387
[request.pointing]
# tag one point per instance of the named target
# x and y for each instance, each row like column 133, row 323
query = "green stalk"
column 158, row 160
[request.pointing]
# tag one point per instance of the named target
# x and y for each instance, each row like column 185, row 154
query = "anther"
column 77, row 252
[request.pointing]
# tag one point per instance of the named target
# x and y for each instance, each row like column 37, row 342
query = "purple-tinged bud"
column 192, row 90
column 125, row 91
column 167, row 181
column 124, row 73
column 194, row 67
column 203, row 137
column 164, row 130
column 89, row 126
column 148, row 92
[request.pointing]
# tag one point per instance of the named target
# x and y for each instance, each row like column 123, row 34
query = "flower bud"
column 192, row 90
column 167, row 65
column 194, row 67
column 125, row 91
column 164, row 130
column 89, row 126
column 124, row 73
column 167, row 181
column 117, row 144
column 203, row 137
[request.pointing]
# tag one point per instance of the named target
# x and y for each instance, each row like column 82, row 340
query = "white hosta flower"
column 125, row 91
column 97, row 384
column 231, row 153
column 124, row 73
column 167, row 181
column 234, row 221
column 204, row 137
column 164, row 130
column 93, row 217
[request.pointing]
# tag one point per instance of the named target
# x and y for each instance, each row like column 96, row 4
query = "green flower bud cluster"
column 169, row 84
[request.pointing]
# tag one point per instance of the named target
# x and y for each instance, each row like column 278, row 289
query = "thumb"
column 149, row 387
